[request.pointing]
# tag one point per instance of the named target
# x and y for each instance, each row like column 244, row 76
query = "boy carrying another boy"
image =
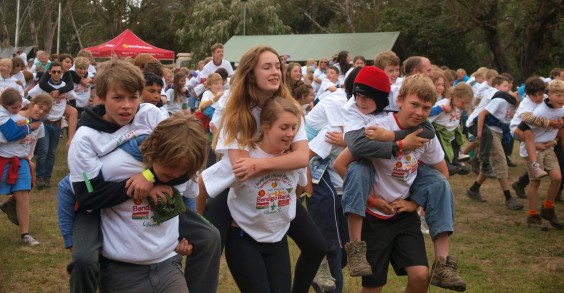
column 431, row 189
column 391, row 229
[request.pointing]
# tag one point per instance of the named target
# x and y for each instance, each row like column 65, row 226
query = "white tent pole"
column 17, row 25
column 59, row 30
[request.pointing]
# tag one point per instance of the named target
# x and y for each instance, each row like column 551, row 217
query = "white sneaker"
column 463, row 157
column 424, row 226
column 536, row 171
column 27, row 239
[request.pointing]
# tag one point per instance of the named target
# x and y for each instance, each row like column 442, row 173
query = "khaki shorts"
column 497, row 157
column 547, row 160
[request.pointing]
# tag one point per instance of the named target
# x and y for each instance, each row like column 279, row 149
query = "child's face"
column 296, row 74
column 556, row 99
column 15, row 108
column 537, row 97
column 80, row 71
column 5, row 69
column 359, row 63
column 67, row 64
column 393, row 72
column 217, row 86
column 93, row 100
column 440, row 86
column 332, row 75
column 166, row 173
column 151, row 94
column 168, row 77
column 120, row 105
column 365, row 104
column 267, row 74
column 281, row 133
column 461, row 102
column 37, row 111
column 56, row 73
column 182, row 82
column 306, row 99
column 479, row 79
column 504, row 86
column 43, row 58
column 413, row 111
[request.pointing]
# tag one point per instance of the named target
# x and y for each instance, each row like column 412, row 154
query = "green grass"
column 496, row 250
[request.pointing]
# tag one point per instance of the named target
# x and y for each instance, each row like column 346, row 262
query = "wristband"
column 149, row 175
column 400, row 148
column 371, row 201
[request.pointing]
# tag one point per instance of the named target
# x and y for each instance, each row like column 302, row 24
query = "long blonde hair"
column 237, row 120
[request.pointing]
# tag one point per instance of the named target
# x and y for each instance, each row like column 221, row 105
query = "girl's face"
column 182, row 82
column 306, row 99
column 280, row 134
column 168, row 77
column 332, row 75
column 440, row 86
column 349, row 58
column 217, row 86
column 393, row 72
column 461, row 102
column 67, row 64
column 267, row 75
column 296, row 74
column 359, row 63
column 323, row 63
column 15, row 108
column 37, row 111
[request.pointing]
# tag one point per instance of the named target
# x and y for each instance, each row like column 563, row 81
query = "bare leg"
column 440, row 244
column 355, row 226
column 417, row 279
column 22, row 209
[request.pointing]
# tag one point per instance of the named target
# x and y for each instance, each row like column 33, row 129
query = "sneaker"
column 463, row 157
column 549, row 215
column 514, row 204
column 536, row 222
column 9, row 207
column 510, row 163
column 519, row 189
column 424, row 226
column 475, row 195
column 536, row 171
column 356, row 255
column 444, row 274
column 323, row 278
column 27, row 239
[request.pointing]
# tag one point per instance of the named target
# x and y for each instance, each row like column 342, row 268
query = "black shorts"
column 397, row 241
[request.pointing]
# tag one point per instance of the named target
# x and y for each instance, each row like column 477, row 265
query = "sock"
column 507, row 195
column 475, row 187
column 524, row 179
column 533, row 212
column 548, row 204
column 23, row 235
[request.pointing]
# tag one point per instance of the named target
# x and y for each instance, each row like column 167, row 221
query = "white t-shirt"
column 21, row 148
column 449, row 120
column 11, row 82
column 323, row 89
column 395, row 176
column 208, row 69
column 393, row 98
column 208, row 96
column 129, row 232
column 526, row 105
column 88, row 144
column 262, row 206
column 219, row 106
column 172, row 106
column 544, row 134
column 501, row 110
column 59, row 104
column 319, row 74
column 82, row 93
column 483, row 103
column 328, row 111
column 354, row 118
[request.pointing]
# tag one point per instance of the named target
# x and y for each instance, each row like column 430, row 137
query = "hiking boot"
column 510, row 163
column 536, row 222
column 514, row 204
column 356, row 255
column 424, row 226
column 475, row 195
column 47, row 182
column 475, row 165
column 28, row 240
column 519, row 189
column 444, row 274
column 536, row 171
column 9, row 207
column 489, row 173
column 549, row 215
column 40, row 183
column 323, row 278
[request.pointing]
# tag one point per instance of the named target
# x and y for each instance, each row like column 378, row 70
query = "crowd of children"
column 369, row 152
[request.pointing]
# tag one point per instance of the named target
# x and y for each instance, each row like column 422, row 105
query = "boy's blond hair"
column 81, row 62
column 556, row 86
column 386, row 58
column 420, row 85
column 177, row 142
column 118, row 73
column 491, row 73
column 481, row 72
column 7, row 62
column 213, row 78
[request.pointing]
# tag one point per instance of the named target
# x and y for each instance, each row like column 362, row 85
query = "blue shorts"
column 22, row 183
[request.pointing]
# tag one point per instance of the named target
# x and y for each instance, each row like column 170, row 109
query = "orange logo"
column 274, row 185
column 137, row 201
column 408, row 158
column 125, row 45
column 398, row 165
column 261, row 193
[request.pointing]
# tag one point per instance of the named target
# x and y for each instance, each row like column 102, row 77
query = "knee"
column 419, row 276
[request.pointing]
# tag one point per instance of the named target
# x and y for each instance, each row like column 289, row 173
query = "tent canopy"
column 127, row 44
column 304, row 47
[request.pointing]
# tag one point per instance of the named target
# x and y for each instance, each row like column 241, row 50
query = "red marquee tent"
column 127, row 44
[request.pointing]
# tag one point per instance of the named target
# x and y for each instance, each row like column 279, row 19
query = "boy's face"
column 120, row 106
column 217, row 54
column 393, row 72
column 217, row 86
column 151, row 94
column 56, row 73
column 556, row 99
column 332, row 75
column 504, row 86
column 15, row 108
column 413, row 111
column 80, row 71
column 365, row 104
column 43, row 58
column 537, row 97
column 166, row 173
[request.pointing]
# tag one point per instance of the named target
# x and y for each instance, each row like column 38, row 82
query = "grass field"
column 496, row 250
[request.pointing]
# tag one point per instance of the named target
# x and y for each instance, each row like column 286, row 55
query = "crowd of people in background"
column 347, row 156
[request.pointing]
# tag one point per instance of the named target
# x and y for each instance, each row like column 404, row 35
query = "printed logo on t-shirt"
column 126, row 137
column 27, row 141
column 405, row 167
column 274, row 193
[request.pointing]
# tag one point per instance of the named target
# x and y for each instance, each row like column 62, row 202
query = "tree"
column 214, row 21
